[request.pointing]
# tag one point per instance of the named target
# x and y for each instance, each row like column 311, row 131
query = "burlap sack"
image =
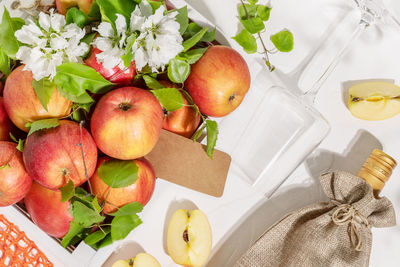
column 334, row 233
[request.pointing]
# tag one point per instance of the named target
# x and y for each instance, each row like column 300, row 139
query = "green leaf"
column 8, row 27
column 178, row 70
column 212, row 135
column 152, row 83
column 95, row 204
column 74, row 15
column 192, row 41
column 154, row 4
column 246, row 40
column 251, row 11
column 84, row 215
column 97, row 236
column 4, row 63
column 42, row 124
column 128, row 57
column 75, row 79
column 81, row 99
column 13, row 137
column 182, row 19
column 252, row 1
column 198, row 133
column 67, row 191
column 105, row 242
column 253, row 25
column 128, row 209
column 194, row 28
column 44, row 89
column 170, row 98
column 74, row 229
column 283, row 40
column 110, row 8
column 94, row 12
column 192, row 56
column 88, row 39
column 121, row 226
column 118, row 173
column 79, row 191
column 263, row 12
column 20, row 145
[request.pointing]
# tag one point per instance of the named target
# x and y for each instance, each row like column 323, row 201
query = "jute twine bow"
column 347, row 214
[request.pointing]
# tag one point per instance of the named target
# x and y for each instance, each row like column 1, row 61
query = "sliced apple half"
column 140, row 260
column 189, row 238
column 374, row 100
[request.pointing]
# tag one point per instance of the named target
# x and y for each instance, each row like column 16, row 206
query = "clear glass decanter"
column 278, row 127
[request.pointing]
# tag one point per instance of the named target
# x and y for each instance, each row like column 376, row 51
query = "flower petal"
column 44, row 21
column 145, row 8
column 104, row 44
column 57, row 21
column 105, row 29
column 120, row 24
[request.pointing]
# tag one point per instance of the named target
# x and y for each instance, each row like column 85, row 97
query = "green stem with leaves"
column 266, row 51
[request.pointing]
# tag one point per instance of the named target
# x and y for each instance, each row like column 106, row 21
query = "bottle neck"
column 377, row 169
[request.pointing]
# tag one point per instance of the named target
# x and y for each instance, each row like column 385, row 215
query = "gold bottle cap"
column 377, row 169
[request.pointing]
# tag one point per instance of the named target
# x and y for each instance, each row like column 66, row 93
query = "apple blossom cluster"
column 154, row 39
column 49, row 43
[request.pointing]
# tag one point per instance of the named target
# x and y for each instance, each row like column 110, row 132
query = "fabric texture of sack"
column 334, row 233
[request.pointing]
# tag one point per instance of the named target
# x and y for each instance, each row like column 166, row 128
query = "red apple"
column 219, row 81
column 22, row 104
column 47, row 211
column 5, row 123
column 14, row 180
column 52, row 157
column 126, row 123
column 141, row 191
column 115, row 75
column 64, row 5
column 183, row 121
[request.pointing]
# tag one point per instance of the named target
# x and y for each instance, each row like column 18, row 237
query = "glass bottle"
column 278, row 127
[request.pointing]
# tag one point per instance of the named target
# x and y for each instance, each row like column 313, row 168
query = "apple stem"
column 105, row 199
column 83, row 157
column 116, row 75
column 8, row 161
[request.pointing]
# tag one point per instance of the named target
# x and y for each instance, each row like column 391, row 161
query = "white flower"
column 111, row 44
column 49, row 45
column 25, row 9
column 158, row 42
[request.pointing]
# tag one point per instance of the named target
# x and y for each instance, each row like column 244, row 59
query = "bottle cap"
column 377, row 169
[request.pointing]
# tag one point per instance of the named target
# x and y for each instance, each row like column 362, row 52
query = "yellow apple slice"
column 140, row 260
column 189, row 238
column 374, row 100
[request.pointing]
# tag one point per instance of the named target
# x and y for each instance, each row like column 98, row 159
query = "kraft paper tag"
column 181, row 161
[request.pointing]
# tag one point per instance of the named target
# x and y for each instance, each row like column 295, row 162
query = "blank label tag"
column 181, row 161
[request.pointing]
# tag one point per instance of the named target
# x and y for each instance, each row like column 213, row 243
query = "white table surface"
column 375, row 55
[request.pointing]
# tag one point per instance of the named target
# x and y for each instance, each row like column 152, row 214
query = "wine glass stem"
column 312, row 92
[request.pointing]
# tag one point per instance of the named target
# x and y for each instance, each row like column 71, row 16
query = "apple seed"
column 186, row 236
